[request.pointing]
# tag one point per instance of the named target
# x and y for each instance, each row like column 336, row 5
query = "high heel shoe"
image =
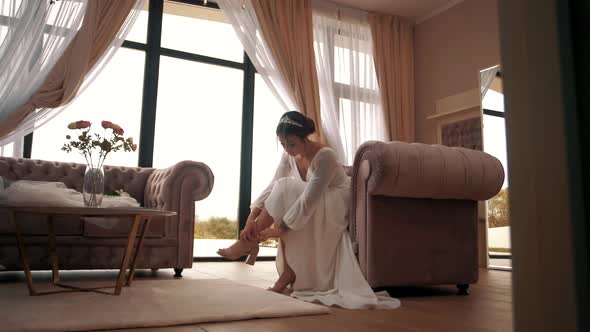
column 281, row 286
column 239, row 249
column 251, row 259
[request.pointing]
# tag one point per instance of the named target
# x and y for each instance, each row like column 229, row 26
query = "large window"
column 494, row 137
column 183, row 87
column 199, row 107
column 202, row 120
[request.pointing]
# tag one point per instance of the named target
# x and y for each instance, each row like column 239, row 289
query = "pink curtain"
column 287, row 29
column 102, row 22
column 393, row 41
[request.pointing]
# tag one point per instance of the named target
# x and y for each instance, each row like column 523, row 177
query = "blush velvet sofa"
column 415, row 210
column 82, row 244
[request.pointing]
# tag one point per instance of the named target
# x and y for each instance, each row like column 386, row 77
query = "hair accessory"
column 291, row 122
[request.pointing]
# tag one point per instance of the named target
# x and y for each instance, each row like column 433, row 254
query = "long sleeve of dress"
column 321, row 176
column 282, row 170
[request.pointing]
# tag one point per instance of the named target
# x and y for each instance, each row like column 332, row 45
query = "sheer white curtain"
column 349, row 94
column 33, row 36
column 242, row 17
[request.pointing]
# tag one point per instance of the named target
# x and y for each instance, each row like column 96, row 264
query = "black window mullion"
column 28, row 145
column 494, row 113
column 201, row 58
column 134, row 45
column 150, row 84
column 247, row 142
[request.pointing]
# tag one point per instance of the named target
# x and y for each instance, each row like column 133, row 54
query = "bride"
column 306, row 206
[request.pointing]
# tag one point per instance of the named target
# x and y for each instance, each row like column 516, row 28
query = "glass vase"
column 93, row 189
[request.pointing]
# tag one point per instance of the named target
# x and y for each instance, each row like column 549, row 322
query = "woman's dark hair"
column 295, row 123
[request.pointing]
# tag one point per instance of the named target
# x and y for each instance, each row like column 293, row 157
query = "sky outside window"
column 494, row 130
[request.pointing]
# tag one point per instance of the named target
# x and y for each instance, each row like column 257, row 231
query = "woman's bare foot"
column 239, row 249
column 285, row 279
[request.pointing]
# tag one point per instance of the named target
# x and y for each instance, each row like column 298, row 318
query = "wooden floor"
column 488, row 308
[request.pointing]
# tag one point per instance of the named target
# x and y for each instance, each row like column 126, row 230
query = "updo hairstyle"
column 295, row 123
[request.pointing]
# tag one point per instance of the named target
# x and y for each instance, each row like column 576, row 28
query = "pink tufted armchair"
column 82, row 244
column 415, row 210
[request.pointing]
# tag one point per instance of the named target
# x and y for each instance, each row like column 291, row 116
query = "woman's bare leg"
column 242, row 247
column 287, row 277
column 263, row 221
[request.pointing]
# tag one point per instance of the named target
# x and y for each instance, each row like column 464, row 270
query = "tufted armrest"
column 176, row 188
column 187, row 180
column 416, row 170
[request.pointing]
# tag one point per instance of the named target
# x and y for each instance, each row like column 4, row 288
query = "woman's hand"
column 249, row 232
column 273, row 232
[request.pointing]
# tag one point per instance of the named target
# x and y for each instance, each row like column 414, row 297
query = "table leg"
column 52, row 251
column 125, row 262
column 23, row 254
column 144, row 227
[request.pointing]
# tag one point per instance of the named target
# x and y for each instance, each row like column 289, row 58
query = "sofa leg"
column 462, row 289
column 178, row 273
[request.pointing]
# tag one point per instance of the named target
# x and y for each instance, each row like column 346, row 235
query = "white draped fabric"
column 242, row 17
column 349, row 94
column 33, row 36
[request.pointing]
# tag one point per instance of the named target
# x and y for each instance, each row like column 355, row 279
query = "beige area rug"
column 147, row 303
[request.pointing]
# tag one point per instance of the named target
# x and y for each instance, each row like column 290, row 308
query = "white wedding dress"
column 317, row 245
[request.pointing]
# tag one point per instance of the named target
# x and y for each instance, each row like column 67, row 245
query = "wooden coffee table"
column 139, row 216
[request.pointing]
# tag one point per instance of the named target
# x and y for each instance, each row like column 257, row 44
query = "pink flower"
column 79, row 124
column 87, row 143
column 116, row 128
